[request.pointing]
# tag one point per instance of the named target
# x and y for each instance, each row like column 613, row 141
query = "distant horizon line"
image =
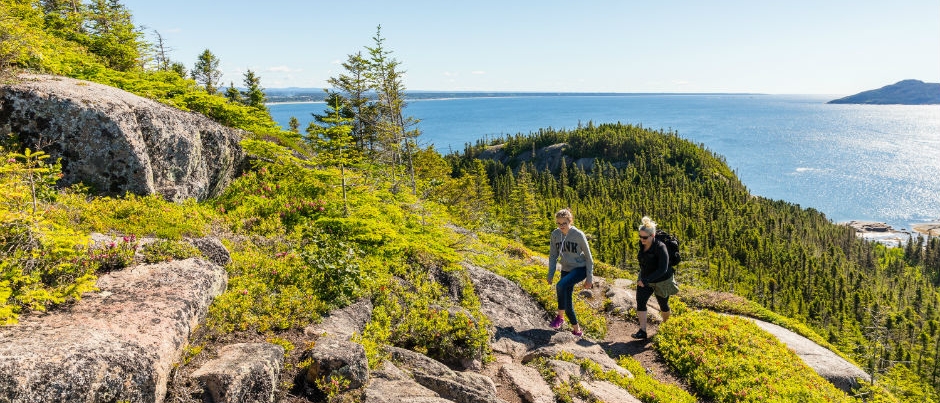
column 318, row 89
column 285, row 95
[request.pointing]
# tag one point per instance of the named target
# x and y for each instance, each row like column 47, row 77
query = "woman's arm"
column 552, row 257
column 589, row 260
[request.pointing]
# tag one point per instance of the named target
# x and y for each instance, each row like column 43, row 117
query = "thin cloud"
column 478, row 72
column 283, row 69
column 449, row 74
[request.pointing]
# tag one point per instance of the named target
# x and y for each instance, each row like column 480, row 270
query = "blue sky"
column 782, row 47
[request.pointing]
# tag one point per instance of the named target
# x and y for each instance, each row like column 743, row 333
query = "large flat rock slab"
column 115, row 345
column 841, row 373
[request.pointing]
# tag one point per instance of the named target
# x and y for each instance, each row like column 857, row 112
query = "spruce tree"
column 355, row 87
column 19, row 42
column 206, row 71
column 113, row 35
column 232, row 94
column 523, row 208
column 253, row 95
column 294, row 124
column 330, row 136
column 62, row 18
column 178, row 68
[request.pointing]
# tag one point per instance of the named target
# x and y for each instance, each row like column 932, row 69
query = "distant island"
column 906, row 92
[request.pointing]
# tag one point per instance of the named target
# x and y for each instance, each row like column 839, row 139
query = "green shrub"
column 730, row 359
column 270, row 288
column 643, row 386
column 166, row 250
column 273, row 200
column 141, row 215
column 416, row 314
column 333, row 266
column 42, row 263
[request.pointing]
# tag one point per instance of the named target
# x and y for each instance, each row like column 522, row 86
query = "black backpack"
column 672, row 246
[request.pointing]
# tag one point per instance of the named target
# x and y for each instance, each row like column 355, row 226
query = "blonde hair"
column 648, row 225
column 565, row 213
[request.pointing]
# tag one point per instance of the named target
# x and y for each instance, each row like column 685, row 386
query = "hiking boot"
column 557, row 322
column 578, row 333
column 639, row 334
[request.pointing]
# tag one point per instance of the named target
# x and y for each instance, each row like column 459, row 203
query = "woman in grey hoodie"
column 569, row 247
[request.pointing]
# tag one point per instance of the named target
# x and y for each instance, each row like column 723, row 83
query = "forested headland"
column 877, row 303
column 351, row 207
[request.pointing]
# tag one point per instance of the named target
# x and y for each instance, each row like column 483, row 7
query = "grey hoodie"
column 574, row 253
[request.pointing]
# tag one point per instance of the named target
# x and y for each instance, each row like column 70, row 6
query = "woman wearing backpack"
column 656, row 275
column 569, row 246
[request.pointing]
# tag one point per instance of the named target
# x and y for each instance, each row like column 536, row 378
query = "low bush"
column 645, row 387
column 730, row 359
column 167, row 250
column 42, row 263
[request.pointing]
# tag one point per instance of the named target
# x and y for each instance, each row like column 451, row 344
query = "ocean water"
column 851, row 162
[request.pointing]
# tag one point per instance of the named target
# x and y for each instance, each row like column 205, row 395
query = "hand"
column 588, row 285
column 640, row 283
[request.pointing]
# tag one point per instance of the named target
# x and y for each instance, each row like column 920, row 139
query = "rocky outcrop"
column 392, row 385
column 117, row 142
column 546, row 158
column 528, row 383
column 115, row 345
column 607, row 392
column 566, row 371
column 243, row 373
column 332, row 357
column 460, row 387
column 213, row 249
column 543, row 158
column 622, row 297
column 334, row 354
column 343, row 322
column 519, row 322
column 580, row 349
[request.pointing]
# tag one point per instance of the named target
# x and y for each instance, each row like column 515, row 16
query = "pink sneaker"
column 578, row 334
column 557, row 322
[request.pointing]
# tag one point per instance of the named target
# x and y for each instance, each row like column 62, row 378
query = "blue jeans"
column 565, row 288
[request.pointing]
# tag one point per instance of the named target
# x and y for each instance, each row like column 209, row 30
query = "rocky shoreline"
column 928, row 228
column 888, row 235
